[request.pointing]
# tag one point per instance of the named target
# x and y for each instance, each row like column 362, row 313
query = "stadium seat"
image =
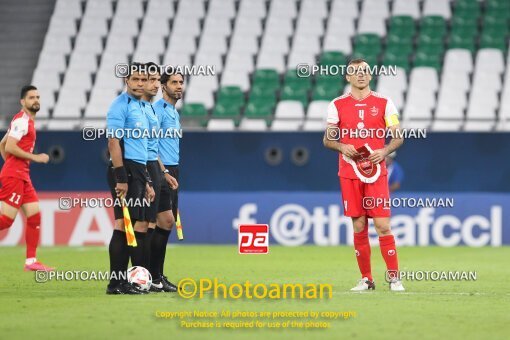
column 220, row 125
column 286, row 125
column 290, row 92
column 248, row 124
column 230, row 95
column 409, row 8
column 259, row 110
column 435, row 7
column 318, row 109
column 478, row 126
column 289, row 109
column 266, row 78
column 314, row 125
column 446, row 125
column 194, row 112
column 226, row 110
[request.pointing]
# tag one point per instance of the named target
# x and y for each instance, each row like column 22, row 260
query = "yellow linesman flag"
column 179, row 227
column 128, row 227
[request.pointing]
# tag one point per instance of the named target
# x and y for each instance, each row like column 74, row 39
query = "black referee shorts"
column 156, row 175
column 169, row 199
column 137, row 181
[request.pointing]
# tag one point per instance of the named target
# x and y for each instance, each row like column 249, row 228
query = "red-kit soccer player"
column 363, row 180
column 16, row 189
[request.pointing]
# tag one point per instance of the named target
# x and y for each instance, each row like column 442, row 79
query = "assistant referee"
column 127, row 173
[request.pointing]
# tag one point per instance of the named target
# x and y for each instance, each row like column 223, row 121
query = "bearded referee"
column 172, row 88
column 127, row 173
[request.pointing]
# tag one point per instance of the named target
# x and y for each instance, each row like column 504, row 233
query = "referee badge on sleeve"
column 364, row 169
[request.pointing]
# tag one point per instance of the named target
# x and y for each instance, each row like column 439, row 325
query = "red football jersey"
column 22, row 129
column 372, row 114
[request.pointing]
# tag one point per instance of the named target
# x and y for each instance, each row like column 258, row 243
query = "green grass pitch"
column 427, row 310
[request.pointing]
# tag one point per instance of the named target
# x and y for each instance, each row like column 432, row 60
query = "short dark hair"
column 133, row 67
column 165, row 77
column 25, row 89
column 356, row 61
column 151, row 65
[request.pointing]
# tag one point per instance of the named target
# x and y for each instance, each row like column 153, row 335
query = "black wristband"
column 121, row 175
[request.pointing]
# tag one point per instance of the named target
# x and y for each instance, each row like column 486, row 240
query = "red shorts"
column 365, row 199
column 16, row 192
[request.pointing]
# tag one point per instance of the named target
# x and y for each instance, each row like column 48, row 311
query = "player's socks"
column 389, row 252
column 158, row 247
column 147, row 247
column 137, row 253
column 363, row 252
column 163, row 254
column 32, row 234
column 5, row 222
column 119, row 257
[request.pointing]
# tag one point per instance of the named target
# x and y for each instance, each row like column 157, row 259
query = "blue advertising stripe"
column 296, row 218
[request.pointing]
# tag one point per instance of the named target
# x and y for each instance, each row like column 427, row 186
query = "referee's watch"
column 166, row 171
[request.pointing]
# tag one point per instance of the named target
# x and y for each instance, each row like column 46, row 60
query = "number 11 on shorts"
column 15, row 198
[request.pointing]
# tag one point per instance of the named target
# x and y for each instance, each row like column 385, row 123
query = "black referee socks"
column 158, row 248
column 137, row 253
column 147, row 247
column 119, row 256
column 163, row 254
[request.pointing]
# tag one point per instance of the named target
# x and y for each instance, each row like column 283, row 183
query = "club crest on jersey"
column 374, row 111
column 364, row 169
column 365, row 166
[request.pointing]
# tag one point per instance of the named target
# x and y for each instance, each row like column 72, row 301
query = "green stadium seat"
column 399, row 38
column 261, row 91
column 369, row 50
column 332, row 58
column 367, row 39
column 430, row 40
column 266, row 77
column 226, row 110
column 194, row 111
column 368, row 43
column 321, row 92
column 327, row 80
column 494, row 12
column 397, row 60
column 464, row 31
column 371, row 59
column 433, row 25
column 433, row 50
column 402, row 47
column 489, row 41
column 423, row 59
column 403, row 22
column 462, row 4
column 231, row 95
column 467, row 13
column 261, row 109
column 464, row 21
column 457, row 40
column 500, row 5
column 295, row 93
column 261, row 94
column 496, row 21
column 292, row 78
column 400, row 33
column 464, row 44
column 430, row 45
column 494, row 32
